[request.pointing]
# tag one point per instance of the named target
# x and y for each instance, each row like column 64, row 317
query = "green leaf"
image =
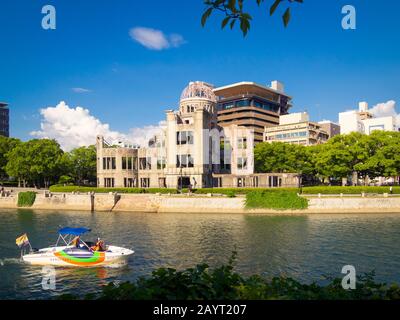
column 205, row 16
column 286, row 17
column 274, row 6
column 232, row 5
column 225, row 22
column 244, row 25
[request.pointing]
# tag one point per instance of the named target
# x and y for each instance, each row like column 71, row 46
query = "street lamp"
column 300, row 182
column 181, row 177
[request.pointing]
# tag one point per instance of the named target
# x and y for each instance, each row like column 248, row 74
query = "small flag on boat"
column 22, row 240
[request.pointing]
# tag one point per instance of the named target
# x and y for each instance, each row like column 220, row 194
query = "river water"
column 305, row 247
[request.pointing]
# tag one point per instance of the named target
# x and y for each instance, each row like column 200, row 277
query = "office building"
column 363, row 121
column 252, row 105
column 296, row 128
column 4, row 120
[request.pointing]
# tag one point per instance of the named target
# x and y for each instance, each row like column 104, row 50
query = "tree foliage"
column 282, row 157
column 6, row 145
column 374, row 155
column 41, row 162
column 236, row 11
column 38, row 160
column 81, row 163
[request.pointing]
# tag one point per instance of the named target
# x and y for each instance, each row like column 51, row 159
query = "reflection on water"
column 303, row 247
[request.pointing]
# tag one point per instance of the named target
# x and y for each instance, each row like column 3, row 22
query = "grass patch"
column 349, row 190
column 278, row 200
column 26, row 199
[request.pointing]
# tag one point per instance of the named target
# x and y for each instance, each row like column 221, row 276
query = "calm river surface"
column 303, row 247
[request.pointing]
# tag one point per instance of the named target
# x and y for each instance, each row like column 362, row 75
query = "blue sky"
column 325, row 68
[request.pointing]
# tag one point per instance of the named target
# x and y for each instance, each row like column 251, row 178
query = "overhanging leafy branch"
column 234, row 10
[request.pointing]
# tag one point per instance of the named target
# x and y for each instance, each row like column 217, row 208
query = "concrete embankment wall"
column 355, row 204
column 174, row 203
column 8, row 202
column 66, row 201
column 198, row 203
column 84, row 202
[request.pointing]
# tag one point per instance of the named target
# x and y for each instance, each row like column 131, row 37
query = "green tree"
column 6, row 145
column 36, row 161
column 381, row 155
column 18, row 165
column 339, row 157
column 282, row 157
column 81, row 164
column 235, row 10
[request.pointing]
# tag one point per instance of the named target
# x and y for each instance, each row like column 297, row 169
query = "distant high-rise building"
column 4, row 120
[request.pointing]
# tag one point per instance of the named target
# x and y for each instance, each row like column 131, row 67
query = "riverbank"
column 201, row 203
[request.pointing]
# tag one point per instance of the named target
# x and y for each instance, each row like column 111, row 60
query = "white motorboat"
column 80, row 254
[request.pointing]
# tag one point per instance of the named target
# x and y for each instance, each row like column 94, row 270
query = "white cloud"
column 155, row 39
column 386, row 109
column 81, row 90
column 76, row 127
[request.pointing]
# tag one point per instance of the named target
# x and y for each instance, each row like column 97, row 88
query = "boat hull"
column 74, row 257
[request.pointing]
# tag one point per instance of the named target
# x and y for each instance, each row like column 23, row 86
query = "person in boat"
column 99, row 246
column 75, row 241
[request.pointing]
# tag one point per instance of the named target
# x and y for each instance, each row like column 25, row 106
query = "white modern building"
column 296, row 128
column 363, row 121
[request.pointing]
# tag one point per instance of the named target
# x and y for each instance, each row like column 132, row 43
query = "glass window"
column 184, row 137
column 148, row 163
column 109, row 163
column 190, row 161
column 242, row 163
column 190, row 138
column 184, row 161
column 124, row 163
column 242, row 143
column 161, row 163
column 142, row 163
column 242, row 103
column 130, row 163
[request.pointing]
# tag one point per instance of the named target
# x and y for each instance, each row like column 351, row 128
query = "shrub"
column 231, row 194
column 348, row 190
column 280, row 200
column 65, row 180
column 242, row 191
column 60, row 188
column 26, row 199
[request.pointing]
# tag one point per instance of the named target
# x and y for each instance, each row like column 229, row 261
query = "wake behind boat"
column 73, row 251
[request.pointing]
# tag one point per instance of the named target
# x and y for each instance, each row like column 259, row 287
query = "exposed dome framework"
column 199, row 89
